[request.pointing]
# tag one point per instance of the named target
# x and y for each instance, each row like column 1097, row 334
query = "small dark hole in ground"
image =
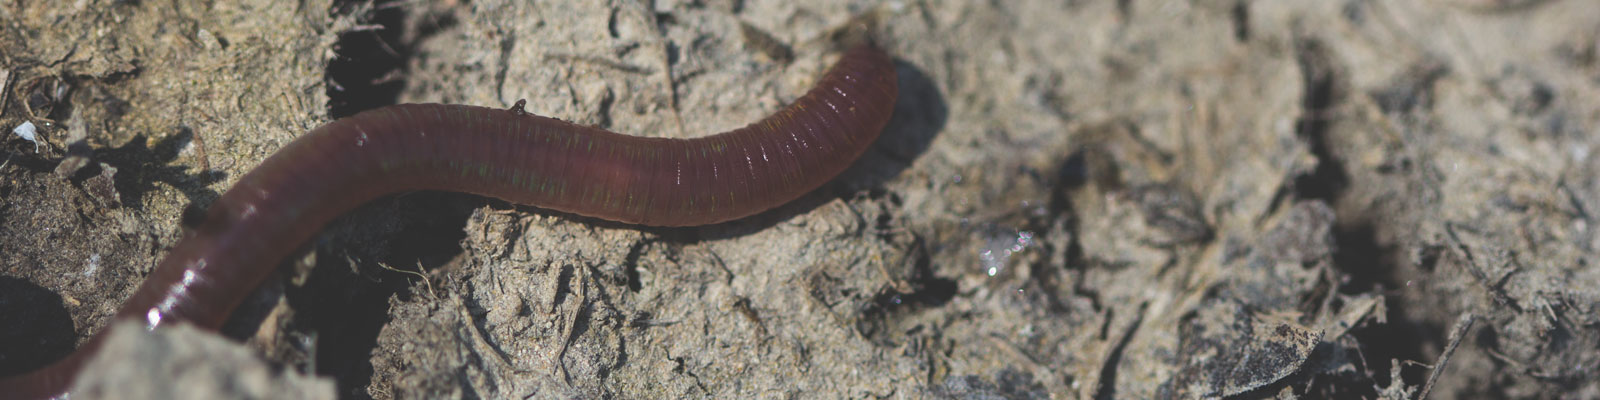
column 1368, row 264
column 368, row 70
column 348, row 306
column 40, row 330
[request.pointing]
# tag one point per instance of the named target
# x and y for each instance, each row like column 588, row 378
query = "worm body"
column 508, row 154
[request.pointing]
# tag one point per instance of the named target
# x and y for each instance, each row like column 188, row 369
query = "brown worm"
column 507, row 154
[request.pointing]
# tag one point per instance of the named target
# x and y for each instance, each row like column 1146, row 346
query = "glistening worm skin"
column 508, row 154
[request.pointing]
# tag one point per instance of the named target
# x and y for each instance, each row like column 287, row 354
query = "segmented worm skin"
column 508, row 154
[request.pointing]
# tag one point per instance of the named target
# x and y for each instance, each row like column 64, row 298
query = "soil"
column 1073, row 199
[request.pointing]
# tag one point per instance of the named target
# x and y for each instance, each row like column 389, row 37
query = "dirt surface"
column 1074, row 199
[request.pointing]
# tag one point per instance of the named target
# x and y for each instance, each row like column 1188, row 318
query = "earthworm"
column 507, row 154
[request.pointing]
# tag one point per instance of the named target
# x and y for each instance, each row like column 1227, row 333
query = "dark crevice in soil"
column 1369, row 267
column 1108, row 372
column 48, row 335
column 369, row 68
column 1323, row 91
column 345, row 301
column 1240, row 16
column 1366, row 262
column 1079, row 170
column 929, row 291
column 631, row 265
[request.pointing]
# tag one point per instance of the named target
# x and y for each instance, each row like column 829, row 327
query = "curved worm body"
column 508, row 154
